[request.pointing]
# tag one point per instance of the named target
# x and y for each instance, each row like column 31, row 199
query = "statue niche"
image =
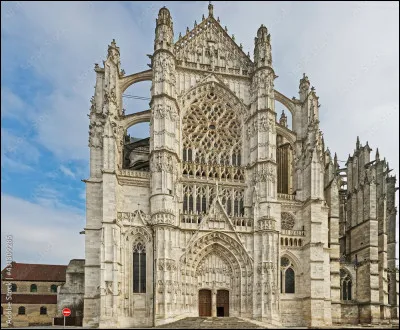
column 136, row 153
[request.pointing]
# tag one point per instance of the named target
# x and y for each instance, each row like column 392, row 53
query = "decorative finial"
column 241, row 46
column 180, row 35
column 312, row 88
column 195, row 23
column 113, row 43
column 335, row 158
column 358, row 143
column 187, row 29
column 226, row 28
column 210, row 10
column 248, row 54
column 283, row 119
column 233, row 37
column 203, row 18
column 377, row 154
column 218, row 20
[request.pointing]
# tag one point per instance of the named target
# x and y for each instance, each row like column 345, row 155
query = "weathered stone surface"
column 226, row 193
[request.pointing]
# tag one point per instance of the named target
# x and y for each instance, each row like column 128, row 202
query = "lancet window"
column 198, row 198
column 288, row 277
column 139, row 268
column 284, row 159
column 345, row 285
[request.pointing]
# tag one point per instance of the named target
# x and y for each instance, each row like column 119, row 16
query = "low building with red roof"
column 29, row 293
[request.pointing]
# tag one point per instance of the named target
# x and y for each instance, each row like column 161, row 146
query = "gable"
column 209, row 47
column 217, row 219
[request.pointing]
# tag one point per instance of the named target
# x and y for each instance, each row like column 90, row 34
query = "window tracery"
column 212, row 136
column 287, row 221
column 287, row 276
column 139, row 267
column 198, row 198
column 345, row 285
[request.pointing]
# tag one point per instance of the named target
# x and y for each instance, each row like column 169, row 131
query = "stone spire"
column 262, row 48
column 164, row 17
column 304, row 87
column 377, row 154
column 335, row 161
column 164, row 30
column 358, row 143
column 113, row 53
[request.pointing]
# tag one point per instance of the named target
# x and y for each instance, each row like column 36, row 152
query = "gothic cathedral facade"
column 225, row 210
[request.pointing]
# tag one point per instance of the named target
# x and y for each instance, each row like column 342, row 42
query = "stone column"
column 164, row 155
column 214, row 302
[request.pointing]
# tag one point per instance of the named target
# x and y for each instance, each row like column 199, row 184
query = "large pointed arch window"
column 212, row 129
column 284, row 160
column 139, row 268
column 288, row 278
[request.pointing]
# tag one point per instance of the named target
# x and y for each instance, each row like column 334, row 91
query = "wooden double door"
column 222, row 303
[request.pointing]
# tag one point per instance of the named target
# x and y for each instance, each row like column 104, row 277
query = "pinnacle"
column 210, row 10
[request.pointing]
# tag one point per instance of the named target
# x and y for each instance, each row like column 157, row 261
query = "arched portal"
column 217, row 262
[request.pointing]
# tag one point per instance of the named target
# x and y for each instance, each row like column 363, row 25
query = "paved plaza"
column 211, row 323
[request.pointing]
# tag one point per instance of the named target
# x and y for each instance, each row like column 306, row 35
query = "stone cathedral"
column 225, row 210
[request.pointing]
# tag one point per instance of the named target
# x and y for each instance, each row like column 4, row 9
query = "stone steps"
column 211, row 323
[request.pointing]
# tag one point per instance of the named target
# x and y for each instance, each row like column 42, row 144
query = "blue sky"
column 350, row 52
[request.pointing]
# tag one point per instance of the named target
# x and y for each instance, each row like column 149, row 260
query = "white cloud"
column 14, row 166
column 62, row 55
column 82, row 195
column 12, row 106
column 67, row 171
column 41, row 234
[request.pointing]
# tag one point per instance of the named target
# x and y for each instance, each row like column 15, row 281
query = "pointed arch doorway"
column 222, row 303
column 204, row 303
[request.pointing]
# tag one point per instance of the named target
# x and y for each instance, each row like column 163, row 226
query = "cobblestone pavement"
column 211, row 323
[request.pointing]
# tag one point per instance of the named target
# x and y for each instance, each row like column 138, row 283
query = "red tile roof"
column 30, row 299
column 35, row 272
